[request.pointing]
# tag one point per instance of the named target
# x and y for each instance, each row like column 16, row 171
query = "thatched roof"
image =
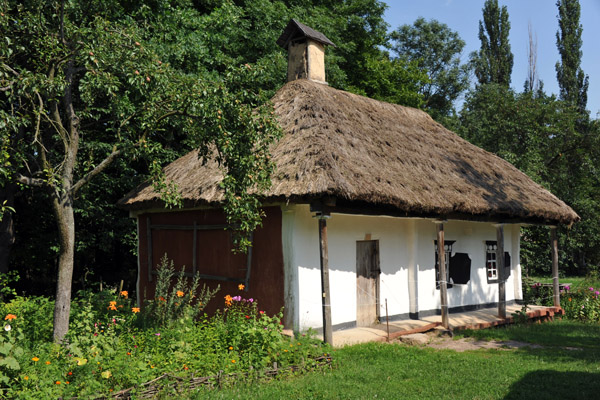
column 377, row 158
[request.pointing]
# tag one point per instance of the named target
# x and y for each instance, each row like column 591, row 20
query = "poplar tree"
column 494, row 61
column 573, row 83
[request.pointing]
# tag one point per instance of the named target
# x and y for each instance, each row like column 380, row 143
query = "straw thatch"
column 376, row 157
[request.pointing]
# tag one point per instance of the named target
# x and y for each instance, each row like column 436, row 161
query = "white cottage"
column 362, row 194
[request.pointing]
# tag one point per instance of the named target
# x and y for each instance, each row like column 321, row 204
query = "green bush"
column 113, row 345
column 581, row 303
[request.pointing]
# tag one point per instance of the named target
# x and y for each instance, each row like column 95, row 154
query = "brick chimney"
column 306, row 52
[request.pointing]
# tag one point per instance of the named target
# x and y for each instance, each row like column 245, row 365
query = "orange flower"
column 112, row 307
column 48, row 363
column 35, row 359
column 230, row 347
column 161, row 298
column 26, row 377
column 228, row 300
column 233, row 361
column 124, row 293
column 135, row 310
column 180, row 293
column 112, row 303
column 58, row 382
column 569, row 299
column 241, row 286
column 10, row 317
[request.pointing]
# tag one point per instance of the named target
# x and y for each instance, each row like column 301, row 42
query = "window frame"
column 490, row 251
column 448, row 253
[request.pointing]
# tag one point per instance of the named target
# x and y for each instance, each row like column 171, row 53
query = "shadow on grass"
column 549, row 384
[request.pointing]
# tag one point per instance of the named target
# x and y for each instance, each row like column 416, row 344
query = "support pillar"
column 554, row 247
column 500, row 268
column 326, row 299
column 442, row 268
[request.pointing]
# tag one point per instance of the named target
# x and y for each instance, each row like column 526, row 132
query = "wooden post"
column 554, row 246
column 500, row 269
column 326, row 300
column 442, row 269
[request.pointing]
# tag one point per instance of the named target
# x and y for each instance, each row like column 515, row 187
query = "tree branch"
column 99, row 168
column 28, row 180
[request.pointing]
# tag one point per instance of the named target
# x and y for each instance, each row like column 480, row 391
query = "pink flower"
column 251, row 300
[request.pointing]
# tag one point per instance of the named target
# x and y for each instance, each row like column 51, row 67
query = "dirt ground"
column 432, row 339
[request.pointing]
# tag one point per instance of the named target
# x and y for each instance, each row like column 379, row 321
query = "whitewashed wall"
column 406, row 253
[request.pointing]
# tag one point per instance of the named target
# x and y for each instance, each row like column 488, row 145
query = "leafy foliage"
column 494, row 61
column 573, row 83
column 436, row 49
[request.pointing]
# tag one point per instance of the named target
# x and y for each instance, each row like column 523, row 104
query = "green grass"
column 393, row 371
column 576, row 281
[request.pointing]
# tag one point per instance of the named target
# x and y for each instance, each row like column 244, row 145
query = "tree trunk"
column 7, row 230
column 65, row 218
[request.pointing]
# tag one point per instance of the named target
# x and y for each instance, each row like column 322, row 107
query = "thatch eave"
column 377, row 156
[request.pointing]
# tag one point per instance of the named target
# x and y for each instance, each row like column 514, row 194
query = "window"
column 448, row 252
column 491, row 262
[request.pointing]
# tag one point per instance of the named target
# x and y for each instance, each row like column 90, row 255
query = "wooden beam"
column 326, row 299
column 442, row 270
column 555, row 283
column 500, row 269
column 149, row 242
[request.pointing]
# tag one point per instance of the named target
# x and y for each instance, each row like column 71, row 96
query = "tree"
column 494, row 61
column 81, row 89
column 573, row 83
column 436, row 49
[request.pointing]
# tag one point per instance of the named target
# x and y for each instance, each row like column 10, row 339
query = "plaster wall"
column 407, row 256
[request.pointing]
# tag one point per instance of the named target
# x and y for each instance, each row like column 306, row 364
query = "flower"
column 261, row 312
column 241, row 286
column 251, row 300
column 7, row 327
column 58, row 382
column 35, row 359
column 124, row 293
column 597, row 293
column 180, row 293
column 233, row 361
column 135, row 310
column 26, row 377
column 112, row 303
column 569, row 299
column 10, row 317
column 113, row 308
column 228, row 300
column 567, row 287
column 48, row 363
column 157, row 334
column 237, row 298
column 161, row 298
column 69, row 373
column 230, row 347
column 247, row 317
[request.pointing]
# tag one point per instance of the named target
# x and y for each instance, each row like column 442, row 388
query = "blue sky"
column 463, row 16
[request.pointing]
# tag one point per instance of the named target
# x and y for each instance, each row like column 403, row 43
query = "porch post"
column 554, row 246
column 442, row 269
column 500, row 269
column 324, row 257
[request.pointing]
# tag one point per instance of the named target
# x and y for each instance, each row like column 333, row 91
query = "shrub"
column 581, row 303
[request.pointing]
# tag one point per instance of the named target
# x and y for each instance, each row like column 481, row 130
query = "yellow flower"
column 26, row 377
column 241, row 286
column 10, row 317
column 124, row 293
column 135, row 310
column 233, row 361
column 230, row 347
column 180, row 293
column 35, row 359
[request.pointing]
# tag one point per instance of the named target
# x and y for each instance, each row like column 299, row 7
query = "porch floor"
column 479, row 319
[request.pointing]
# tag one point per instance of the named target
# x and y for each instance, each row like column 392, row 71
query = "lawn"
column 392, row 371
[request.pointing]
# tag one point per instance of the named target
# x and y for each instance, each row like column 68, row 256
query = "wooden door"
column 367, row 282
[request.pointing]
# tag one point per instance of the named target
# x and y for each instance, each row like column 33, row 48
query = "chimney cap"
column 295, row 29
